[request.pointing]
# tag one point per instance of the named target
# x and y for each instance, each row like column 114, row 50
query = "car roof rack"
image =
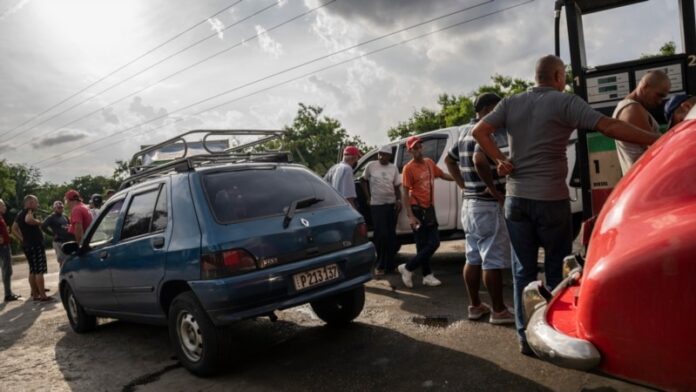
column 139, row 171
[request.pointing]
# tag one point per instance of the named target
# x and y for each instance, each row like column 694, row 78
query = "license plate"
column 307, row 279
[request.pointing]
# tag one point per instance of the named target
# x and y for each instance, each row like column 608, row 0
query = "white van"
column 448, row 197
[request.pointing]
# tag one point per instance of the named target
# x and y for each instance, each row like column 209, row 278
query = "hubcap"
column 190, row 338
column 72, row 307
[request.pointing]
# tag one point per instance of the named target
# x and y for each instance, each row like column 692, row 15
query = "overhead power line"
column 197, row 63
column 64, row 159
column 266, row 8
column 121, row 67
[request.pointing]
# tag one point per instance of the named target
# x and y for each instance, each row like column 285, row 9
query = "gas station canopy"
column 589, row 6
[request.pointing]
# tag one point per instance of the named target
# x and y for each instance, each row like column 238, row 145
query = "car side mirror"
column 70, row 248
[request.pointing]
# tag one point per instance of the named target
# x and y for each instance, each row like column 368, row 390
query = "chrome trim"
column 532, row 298
column 558, row 348
column 570, row 263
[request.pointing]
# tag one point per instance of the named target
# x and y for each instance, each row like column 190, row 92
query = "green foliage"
column 455, row 110
column 317, row 141
column 669, row 48
column 89, row 185
column 121, row 171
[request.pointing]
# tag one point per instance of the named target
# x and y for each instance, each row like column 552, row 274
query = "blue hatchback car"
column 202, row 242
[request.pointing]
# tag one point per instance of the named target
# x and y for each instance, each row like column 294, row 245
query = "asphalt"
column 404, row 340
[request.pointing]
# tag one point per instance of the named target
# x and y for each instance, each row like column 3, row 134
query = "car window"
column 432, row 148
column 104, row 232
column 139, row 215
column 246, row 194
column 159, row 219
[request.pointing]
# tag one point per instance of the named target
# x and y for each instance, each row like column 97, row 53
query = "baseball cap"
column 386, row 149
column 412, row 141
column 57, row 204
column 351, row 150
column 72, row 195
column 672, row 104
column 486, row 99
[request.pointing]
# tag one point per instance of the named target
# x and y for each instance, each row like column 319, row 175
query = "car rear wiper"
column 301, row 203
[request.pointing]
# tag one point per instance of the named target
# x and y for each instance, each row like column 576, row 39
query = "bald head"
column 550, row 72
column 653, row 87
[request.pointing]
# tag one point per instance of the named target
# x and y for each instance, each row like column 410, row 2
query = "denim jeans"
column 384, row 235
column 427, row 242
column 533, row 224
column 6, row 264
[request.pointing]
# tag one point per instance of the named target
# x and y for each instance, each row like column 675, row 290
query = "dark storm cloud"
column 63, row 137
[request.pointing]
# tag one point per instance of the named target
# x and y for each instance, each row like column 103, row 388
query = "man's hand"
column 413, row 222
column 504, row 167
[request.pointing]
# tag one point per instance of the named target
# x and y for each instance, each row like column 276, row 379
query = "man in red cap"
column 418, row 179
column 340, row 176
column 80, row 218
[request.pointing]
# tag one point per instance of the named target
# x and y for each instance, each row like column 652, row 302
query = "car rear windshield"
column 254, row 193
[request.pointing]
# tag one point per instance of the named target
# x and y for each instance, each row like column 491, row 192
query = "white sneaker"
column 431, row 280
column 406, row 275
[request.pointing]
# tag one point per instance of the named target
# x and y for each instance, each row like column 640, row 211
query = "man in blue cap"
column 677, row 107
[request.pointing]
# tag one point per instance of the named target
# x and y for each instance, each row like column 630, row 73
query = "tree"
column 121, row 172
column 317, row 141
column 669, row 48
column 89, row 185
column 455, row 110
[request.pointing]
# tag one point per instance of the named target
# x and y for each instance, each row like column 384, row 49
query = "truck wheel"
column 201, row 347
column 79, row 320
column 341, row 308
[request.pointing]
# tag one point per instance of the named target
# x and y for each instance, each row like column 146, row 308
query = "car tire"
column 78, row 318
column 342, row 308
column 200, row 346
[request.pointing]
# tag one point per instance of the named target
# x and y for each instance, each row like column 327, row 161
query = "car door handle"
column 158, row 242
column 103, row 255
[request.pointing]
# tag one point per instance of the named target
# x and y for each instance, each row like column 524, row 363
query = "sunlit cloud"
column 217, row 26
column 13, row 9
column 268, row 44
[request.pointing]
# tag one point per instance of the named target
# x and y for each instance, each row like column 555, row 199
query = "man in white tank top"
column 653, row 87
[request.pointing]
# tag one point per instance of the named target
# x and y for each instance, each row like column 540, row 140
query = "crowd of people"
column 29, row 229
column 510, row 164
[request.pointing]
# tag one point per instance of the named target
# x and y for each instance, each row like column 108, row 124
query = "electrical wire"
column 274, row 4
column 214, row 55
column 64, row 159
column 121, row 67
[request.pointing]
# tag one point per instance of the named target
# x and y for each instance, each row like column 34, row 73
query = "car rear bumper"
column 546, row 341
column 261, row 292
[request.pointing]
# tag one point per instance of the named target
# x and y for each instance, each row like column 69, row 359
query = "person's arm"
column 483, row 169
column 635, row 115
column 620, row 130
column 46, row 228
column 17, row 233
column 439, row 173
column 79, row 231
column 365, row 189
column 482, row 133
column 406, row 183
column 30, row 220
column 453, row 169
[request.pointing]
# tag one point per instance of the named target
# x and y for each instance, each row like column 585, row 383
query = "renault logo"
column 304, row 222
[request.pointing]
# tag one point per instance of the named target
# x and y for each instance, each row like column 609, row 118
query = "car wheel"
column 341, row 308
column 79, row 320
column 201, row 347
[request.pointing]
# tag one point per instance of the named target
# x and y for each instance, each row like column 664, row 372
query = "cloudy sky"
column 137, row 72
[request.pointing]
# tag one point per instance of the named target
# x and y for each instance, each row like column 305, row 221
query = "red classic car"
column 631, row 310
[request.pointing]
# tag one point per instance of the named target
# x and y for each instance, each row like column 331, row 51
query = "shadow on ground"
column 279, row 356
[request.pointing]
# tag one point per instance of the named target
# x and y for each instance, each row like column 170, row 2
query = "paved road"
column 389, row 347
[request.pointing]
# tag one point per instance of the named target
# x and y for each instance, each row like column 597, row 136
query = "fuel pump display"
column 603, row 86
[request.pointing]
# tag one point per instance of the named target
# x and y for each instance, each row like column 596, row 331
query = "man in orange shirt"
column 418, row 179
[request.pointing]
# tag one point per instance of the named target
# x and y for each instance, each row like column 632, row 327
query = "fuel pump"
column 603, row 86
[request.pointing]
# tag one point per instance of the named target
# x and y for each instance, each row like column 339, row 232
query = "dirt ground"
column 404, row 340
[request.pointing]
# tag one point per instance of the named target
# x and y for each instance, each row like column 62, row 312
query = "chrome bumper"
column 548, row 343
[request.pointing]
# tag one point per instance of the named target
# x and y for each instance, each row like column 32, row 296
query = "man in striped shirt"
column 487, row 240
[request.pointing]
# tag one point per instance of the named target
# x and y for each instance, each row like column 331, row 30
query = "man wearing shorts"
column 27, row 228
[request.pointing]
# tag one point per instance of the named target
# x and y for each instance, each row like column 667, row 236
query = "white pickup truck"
column 448, row 198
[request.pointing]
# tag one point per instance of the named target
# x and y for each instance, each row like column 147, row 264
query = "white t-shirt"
column 382, row 179
column 342, row 181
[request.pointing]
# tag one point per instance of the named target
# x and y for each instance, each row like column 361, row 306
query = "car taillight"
column 360, row 234
column 226, row 263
